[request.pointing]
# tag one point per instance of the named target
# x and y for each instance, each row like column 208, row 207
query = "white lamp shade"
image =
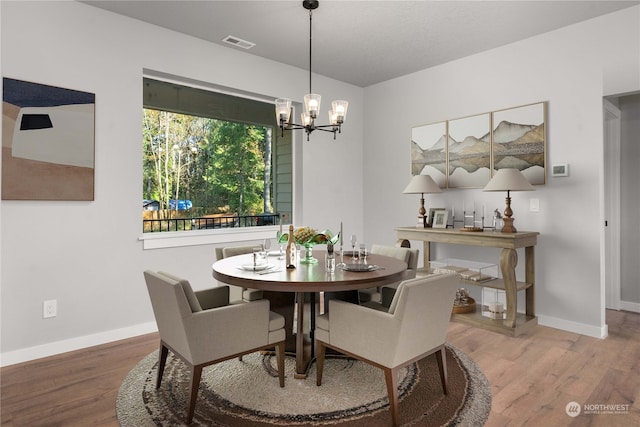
column 422, row 184
column 312, row 104
column 508, row 180
column 306, row 119
column 283, row 109
column 340, row 109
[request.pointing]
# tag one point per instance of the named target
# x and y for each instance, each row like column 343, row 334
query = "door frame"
column 611, row 152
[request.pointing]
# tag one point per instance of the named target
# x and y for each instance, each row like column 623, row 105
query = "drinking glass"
column 267, row 245
column 362, row 253
column 341, row 253
column 259, row 257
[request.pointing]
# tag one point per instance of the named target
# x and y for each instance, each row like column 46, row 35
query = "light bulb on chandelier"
column 338, row 111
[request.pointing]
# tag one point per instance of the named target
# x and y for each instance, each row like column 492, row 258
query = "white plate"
column 359, row 267
column 251, row 267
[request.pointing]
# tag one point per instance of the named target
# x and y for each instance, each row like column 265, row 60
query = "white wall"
column 87, row 254
column 571, row 69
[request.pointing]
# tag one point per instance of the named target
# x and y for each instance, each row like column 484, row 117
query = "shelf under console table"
column 515, row 323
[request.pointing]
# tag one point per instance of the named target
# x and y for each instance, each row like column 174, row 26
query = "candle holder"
column 494, row 303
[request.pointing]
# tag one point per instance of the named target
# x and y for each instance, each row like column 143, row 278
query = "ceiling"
column 364, row 42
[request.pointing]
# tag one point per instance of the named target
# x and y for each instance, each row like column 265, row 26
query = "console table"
column 515, row 323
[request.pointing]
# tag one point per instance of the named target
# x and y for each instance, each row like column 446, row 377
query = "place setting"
column 358, row 258
column 258, row 260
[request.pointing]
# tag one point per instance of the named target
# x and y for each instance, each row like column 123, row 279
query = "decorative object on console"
column 421, row 184
column 440, row 219
column 311, row 101
column 432, row 213
column 494, row 303
column 508, row 180
column 463, row 302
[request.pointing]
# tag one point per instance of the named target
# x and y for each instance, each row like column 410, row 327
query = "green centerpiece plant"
column 309, row 237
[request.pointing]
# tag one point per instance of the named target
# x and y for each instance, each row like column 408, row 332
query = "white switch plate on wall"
column 534, row 205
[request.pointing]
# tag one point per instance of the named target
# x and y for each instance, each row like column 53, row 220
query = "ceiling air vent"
column 238, row 42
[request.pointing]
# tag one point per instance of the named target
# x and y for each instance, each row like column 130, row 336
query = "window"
column 211, row 160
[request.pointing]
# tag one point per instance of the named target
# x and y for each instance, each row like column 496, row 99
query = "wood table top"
column 308, row 277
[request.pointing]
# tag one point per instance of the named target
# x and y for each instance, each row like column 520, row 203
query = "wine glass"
column 354, row 242
column 267, row 245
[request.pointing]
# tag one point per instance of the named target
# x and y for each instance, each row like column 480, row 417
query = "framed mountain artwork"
column 429, row 152
column 519, row 141
column 469, row 151
column 466, row 152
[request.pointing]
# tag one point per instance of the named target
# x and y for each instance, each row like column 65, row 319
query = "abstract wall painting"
column 470, row 151
column 48, row 142
column 429, row 151
column 519, row 141
column 466, row 152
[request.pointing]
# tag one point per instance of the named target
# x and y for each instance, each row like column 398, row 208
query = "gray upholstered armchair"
column 414, row 327
column 198, row 327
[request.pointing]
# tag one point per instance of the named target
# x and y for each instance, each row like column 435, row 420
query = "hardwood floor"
column 532, row 377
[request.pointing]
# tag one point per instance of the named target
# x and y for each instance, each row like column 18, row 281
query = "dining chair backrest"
column 236, row 250
column 397, row 252
column 423, row 307
column 408, row 255
column 170, row 308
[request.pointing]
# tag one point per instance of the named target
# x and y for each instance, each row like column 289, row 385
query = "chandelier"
column 338, row 110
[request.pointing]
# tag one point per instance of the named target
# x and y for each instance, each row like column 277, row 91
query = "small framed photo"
column 440, row 218
column 432, row 212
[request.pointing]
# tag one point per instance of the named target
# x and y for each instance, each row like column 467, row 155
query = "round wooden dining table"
column 306, row 280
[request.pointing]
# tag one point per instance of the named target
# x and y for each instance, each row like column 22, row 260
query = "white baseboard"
column 50, row 349
column 630, row 306
column 575, row 327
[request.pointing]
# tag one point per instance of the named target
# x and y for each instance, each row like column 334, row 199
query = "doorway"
column 621, row 272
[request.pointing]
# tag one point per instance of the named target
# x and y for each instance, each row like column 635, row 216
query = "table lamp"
column 421, row 184
column 508, row 180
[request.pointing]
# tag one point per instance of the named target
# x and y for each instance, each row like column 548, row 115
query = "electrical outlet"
column 49, row 308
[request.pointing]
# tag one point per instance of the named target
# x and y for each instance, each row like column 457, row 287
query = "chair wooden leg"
column 392, row 390
column 441, row 356
column 196, row 374
column 280, row 358
column 162, row 361
column 320, row 350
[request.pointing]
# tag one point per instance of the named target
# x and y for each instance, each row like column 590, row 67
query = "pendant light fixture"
column 338, row 110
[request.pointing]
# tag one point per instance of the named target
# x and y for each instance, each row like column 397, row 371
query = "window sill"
column 176, row 239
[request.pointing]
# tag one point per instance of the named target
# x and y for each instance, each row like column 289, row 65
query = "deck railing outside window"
column 208, row 222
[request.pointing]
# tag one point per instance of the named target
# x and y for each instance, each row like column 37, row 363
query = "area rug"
column 353, row 394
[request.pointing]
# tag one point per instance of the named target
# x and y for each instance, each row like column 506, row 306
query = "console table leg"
column 508, row 262
column 530, row 278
